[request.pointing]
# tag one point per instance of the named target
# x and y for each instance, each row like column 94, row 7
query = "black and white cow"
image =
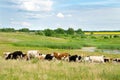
column 15, row 55
column 107, row 59
column 74, row 58
column 49, row 57
column 116, row 60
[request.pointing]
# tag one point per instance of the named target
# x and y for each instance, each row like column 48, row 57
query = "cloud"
column 27, row 24
column 60, row 15
column 34, row 5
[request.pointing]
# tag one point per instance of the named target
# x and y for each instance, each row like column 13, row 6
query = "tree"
column 48, row 32
column 70, row 31
column 7, row 30
column 24, row 30
column 79, row 31
column 59, row 31
column 39, row 32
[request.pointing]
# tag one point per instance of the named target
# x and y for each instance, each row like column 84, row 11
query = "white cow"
column 86, row 59
column 96, row 59
column 41, row 56
column 32, row 54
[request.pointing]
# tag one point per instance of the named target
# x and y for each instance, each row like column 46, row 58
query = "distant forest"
column 50, row 32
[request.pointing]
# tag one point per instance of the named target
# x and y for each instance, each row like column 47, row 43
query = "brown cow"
column 60, row 56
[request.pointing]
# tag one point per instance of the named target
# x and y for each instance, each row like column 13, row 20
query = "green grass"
column 109, row 46
column 57, row 70
column 49, row 44
column 32, row 40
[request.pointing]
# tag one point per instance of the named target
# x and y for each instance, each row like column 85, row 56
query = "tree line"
column 47, row 32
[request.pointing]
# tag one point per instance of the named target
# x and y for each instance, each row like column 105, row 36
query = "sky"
column 43, row 14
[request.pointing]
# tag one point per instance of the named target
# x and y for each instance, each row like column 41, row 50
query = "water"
column 94, row 49
column 109, row 51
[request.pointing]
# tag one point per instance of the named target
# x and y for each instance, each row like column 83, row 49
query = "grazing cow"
column 5, row 54
column 41, row 56
column 116, row 59
column 15, row 55
column 32, row 54
column 107, row 59
column 96, row 59
column 48, row 57
column 74, row 58
column 60, row 56
column 86, row 59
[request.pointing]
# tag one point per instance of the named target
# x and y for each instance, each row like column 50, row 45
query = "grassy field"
column 55, row 70
column 26, row 41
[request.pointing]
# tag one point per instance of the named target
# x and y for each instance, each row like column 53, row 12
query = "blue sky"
column 43, row 14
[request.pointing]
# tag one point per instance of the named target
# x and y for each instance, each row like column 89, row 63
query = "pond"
column 94, row 49
column 109, row 51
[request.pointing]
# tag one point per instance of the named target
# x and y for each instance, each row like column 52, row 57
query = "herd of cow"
column 57, row 56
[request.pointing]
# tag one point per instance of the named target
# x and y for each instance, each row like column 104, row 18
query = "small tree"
column 48, row 32
column 24, row 30
column 59, row 31
column 39, row 32
column 70, row 31
column 79, row 31
column 91, row 33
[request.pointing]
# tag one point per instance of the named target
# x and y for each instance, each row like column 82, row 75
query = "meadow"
column 55, row 70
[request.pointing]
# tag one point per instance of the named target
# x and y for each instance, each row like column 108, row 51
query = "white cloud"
column 60, row 15
column 27, row 24
column 34, row 5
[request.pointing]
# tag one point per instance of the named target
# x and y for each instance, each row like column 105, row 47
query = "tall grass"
column 109, row 46
column 57, row 70
column 32, row 40
column 48, row 44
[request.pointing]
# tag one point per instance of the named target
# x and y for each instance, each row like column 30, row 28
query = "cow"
column 96, row 59
column 32, row 54
column 15, row 55
column 5, row 54
column 74, row 58
column 86, row 59
column 107, row 59
column 49, row 57
column 60, row 56
column 41, row 56
column 116, row 59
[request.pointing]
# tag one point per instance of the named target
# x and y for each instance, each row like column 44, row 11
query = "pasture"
column 55, row 70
